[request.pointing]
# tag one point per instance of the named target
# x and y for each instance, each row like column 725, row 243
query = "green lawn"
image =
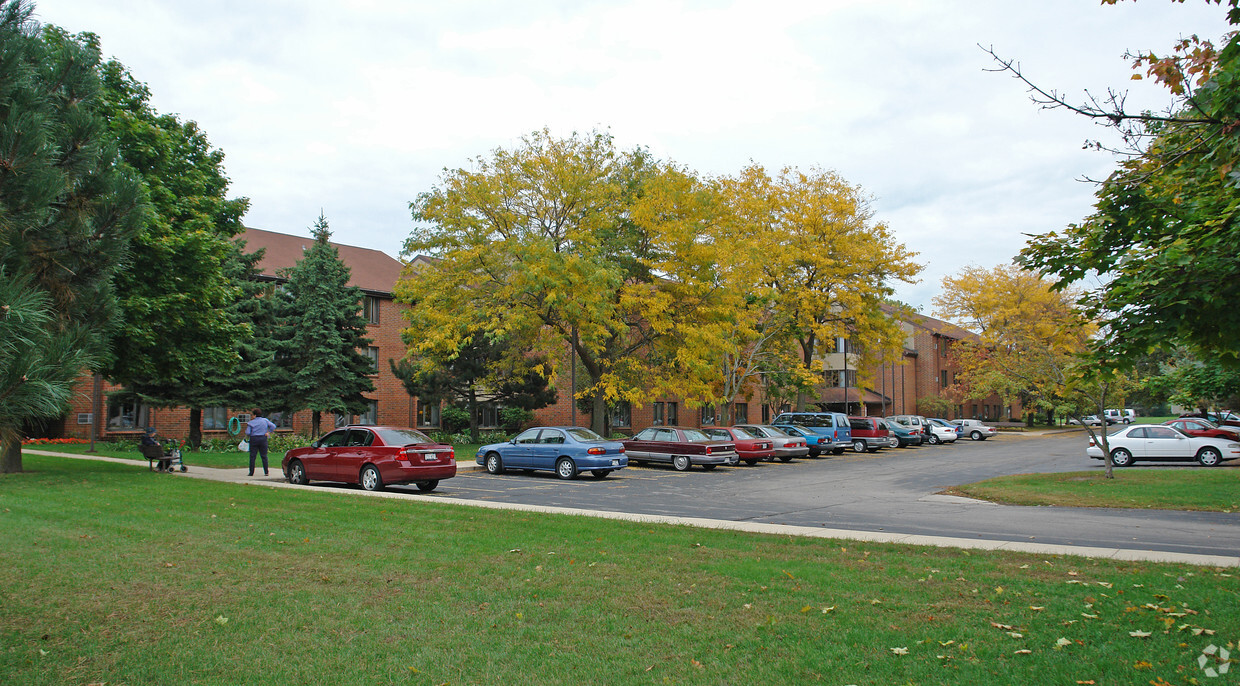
column 1215, row 489
column 110, row 574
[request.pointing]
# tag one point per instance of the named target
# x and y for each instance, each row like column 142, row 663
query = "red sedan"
column 751, row 448
column 1202, row 427
column 372, row 457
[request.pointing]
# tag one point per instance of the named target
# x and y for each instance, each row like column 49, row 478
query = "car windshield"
column 695, row 435
column 772, row 431
column 402, row 436
column 741, row 433
column 585, row 435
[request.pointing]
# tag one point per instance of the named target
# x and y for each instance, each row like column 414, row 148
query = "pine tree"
column 68, row 211
column 322, row 332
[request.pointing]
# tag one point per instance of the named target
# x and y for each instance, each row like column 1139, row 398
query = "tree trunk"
column 195, row 427
column 10, row 452
column 473, row 415
column 316, row 418
column 598, row 417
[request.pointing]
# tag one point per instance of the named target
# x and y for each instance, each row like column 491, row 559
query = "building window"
column 658, row 418
column 766, row 414
column 622, row 415
column 975, row 411
column 488, row 415
column 372, row 354
column 671, row 414
column 214, row 418
column 126, row 415
column 428, row 414
column 370, row 309
column 708, row 415
column 371, row 416
column 282, row 420
column 943, row 378
column 740, row 414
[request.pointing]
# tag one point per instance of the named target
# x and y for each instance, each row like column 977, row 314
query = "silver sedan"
column 786, row 445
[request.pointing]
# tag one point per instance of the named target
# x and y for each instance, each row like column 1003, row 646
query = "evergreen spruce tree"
column 68, row 210
column 322, row 333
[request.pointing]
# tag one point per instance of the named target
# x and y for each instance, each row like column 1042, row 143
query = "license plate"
column 615, row 463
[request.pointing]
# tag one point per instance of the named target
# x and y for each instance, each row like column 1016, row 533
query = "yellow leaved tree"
column 819, row 265
column 568, row 243
column 1032, row 344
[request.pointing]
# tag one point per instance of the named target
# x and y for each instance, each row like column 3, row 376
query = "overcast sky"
column 355, row 110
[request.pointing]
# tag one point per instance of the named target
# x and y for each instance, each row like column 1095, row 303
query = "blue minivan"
column 833, row 426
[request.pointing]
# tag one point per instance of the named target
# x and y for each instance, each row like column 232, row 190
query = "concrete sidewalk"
column 276, row 480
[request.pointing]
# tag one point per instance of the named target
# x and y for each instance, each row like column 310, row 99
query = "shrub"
column 454, row 418
column 514, row 418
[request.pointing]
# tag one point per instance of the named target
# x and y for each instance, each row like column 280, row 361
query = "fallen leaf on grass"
column 1139, row 634
column 1015, row 634
column 1024, row 652
column 1142, row 664
column 1037, row 608
column 1062, row 642
column 900, row 651
column 221, row 620
column 825, row 610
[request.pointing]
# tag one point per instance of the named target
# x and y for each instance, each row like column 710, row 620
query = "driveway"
column 891, row 491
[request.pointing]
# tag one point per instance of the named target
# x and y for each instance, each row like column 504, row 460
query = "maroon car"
column 681, row 446
column 869, row 433
column 1202, row 427
column 750, row 448
column 373, row 457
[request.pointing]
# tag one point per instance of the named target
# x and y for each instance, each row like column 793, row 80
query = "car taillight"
column 621, row 449
column 708, row 450
column 597, row 451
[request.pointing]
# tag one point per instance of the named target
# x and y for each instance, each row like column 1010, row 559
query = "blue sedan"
column 565, row 450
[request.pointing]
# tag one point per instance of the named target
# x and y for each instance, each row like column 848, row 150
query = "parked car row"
column 377, row 456
column 1162, row 442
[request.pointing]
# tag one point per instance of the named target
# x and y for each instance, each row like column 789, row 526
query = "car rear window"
column 402, row 436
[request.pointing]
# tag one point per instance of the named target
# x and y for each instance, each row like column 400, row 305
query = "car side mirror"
column 315, row 444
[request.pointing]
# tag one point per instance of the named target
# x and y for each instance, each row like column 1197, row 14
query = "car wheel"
column 858, row 446
column 976, row 435
column 297, row 473
column 600, row 473
column 933, row 439
column 681, row 463
column 1121, row 457
column 427, row 486
column 370, row 479
column 495, row 465
column 1209, row 457
column 565, row 469
column 709, row 467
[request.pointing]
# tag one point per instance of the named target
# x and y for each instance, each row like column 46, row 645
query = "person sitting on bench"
column 152, row 450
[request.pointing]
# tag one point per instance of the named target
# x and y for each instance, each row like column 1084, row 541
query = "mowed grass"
column 233, row 459
column 1179, row 487
column 111, row 574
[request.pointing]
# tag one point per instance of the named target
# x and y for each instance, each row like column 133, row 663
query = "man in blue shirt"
column 256, row 431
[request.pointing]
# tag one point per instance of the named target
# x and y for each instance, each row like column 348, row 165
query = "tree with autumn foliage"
column 822, row 262
column 1162, row 241
column 1033, row 343
column 568, row 243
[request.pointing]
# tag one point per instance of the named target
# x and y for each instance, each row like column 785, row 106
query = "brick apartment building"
column 925, row 369
column 374, row 272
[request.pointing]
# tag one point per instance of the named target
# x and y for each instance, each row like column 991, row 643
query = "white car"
column 1126, row 416
column 1159, row 442
column 937, row 434
column 975, row 429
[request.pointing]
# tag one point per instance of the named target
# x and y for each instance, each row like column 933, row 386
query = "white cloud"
column 355, row 109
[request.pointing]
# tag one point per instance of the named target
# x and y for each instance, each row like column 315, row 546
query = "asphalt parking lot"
column 892, row 491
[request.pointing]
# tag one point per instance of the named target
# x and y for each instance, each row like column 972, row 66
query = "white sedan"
column 1158, row 442
column 974, row 429
column 938, row 434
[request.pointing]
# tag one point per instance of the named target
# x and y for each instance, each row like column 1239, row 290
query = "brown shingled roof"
column 371, row 270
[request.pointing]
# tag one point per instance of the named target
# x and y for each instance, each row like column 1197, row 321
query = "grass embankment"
column 110, row 574
column 1180, row 487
